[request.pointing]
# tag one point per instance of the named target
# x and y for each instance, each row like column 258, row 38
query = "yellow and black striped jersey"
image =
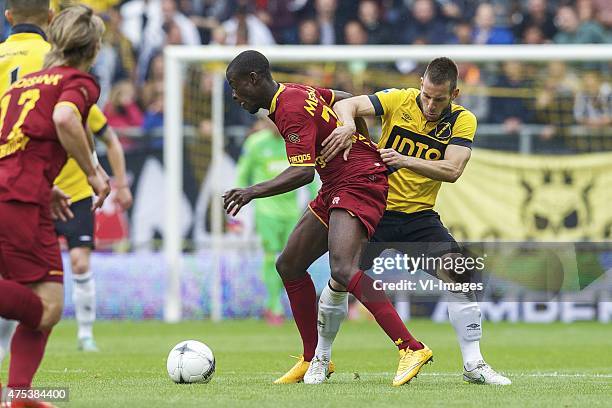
column 23, row 53
column 405, row 129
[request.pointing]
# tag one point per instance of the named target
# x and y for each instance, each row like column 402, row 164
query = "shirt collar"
column 28, row 28
column 281, row 88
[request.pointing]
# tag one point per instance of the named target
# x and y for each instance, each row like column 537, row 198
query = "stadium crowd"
column 130, row 65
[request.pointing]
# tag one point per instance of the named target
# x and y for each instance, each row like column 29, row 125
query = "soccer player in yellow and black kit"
column 426, row 140
column 23, row 53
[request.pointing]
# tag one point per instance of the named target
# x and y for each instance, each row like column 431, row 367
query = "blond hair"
column 75, row 36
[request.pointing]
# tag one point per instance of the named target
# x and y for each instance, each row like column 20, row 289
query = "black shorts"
column 421, row 226
column 415, row 234
column 79, row 231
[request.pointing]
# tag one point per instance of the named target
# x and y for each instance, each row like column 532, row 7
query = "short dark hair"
column 250, row 61
column 29, row 11
column 442, row 69
column 27, row 8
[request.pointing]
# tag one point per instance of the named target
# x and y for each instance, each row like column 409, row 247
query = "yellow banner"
column 510, row 196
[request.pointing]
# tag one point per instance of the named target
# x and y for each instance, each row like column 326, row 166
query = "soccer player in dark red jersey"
column 42, row 120
column 340, row 219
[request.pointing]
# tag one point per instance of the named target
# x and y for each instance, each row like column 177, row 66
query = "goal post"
column 173, row 158
column 178, row 57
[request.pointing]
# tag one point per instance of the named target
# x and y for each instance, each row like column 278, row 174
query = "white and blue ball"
column 191, row 361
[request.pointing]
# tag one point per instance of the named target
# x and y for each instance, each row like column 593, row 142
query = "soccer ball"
column 191, row 362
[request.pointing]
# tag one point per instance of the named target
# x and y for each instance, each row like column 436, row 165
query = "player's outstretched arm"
column 116, row 158
column 290, row 179
column 342, row 137
column 360, row 123
column 448, row 169
column 73, row 138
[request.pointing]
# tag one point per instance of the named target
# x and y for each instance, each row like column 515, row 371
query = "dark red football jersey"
column 31, row 155
column 304, row 117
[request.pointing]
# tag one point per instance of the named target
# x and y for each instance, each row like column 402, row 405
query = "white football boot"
column 318, row 371
column 479, row 372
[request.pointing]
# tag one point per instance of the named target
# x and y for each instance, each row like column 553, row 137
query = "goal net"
column 538, row 105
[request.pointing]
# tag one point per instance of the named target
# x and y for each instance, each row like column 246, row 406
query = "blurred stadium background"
column 541, row 169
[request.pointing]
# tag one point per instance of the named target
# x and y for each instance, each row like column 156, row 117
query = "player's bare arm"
column 73, row 138
column 448, row 169
column 360, row 122
column 60, row 205
column 342, row 137
column 116, row 158
column 292, row 178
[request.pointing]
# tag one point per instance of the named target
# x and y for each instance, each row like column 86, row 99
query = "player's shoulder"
column 464, row 115
column 27, row 56
column 404, row 92
column 5, row 48
column 291, row 90
column 397, row 97
column 26, row 42
column 85, row 81
column 291, row 98
column 35, row 46
column 393, row 99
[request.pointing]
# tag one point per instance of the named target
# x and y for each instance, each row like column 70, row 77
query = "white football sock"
column 84, row 298
column 464, row 314
column 7, row 328
column 333, row 308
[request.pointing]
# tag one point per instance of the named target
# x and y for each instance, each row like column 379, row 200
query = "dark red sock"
column 18, row 302
column 377, row 302
column 27, row 350
column 303, row 300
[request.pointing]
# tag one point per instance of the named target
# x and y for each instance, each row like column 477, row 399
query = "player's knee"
column 281, row 265
column 287, row 269
column 52, row 313
column 80, row 265
column 342, row 273
column 366, row 262
column 457, row 274
column 450, row 276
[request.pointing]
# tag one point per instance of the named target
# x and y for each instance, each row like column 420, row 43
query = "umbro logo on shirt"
column 406, row 116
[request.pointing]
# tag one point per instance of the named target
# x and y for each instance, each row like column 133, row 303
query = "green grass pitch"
column 556, row 365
